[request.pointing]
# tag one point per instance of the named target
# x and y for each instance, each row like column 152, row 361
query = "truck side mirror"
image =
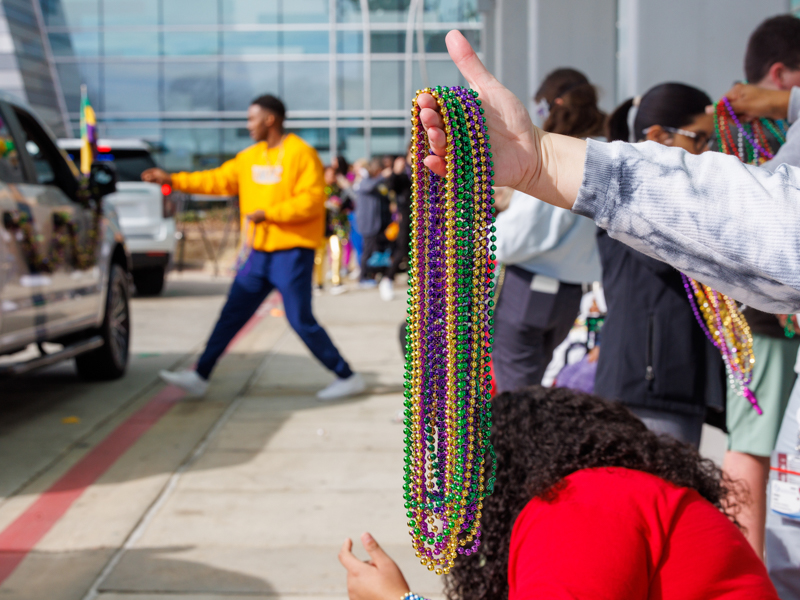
column 102, row 179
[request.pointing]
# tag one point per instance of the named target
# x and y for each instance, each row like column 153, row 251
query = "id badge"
column 267, row 174
column 784, row 487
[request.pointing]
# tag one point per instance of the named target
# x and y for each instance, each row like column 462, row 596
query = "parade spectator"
column 654, row 356
column 279, row 181
column 371, row 202
column 336, row 225
column 588, row 503
column 729, row 225
column 547, row 252
column 399, row 182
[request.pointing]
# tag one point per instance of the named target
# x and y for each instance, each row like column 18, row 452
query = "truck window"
column 51, row 169
column 129, row 163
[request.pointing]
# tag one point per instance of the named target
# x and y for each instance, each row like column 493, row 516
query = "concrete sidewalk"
column 265, row 505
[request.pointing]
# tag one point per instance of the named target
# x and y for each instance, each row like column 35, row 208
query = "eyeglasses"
column 702, row 141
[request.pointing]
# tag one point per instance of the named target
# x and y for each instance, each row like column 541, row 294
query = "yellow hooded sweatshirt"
column 286, row 182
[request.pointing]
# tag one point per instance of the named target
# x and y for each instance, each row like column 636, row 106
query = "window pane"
column 239, row 43
column 388, row 81
column 305, row 85
column 243, row 81
column 440, row 72
column 451, row 11
column 434, row 40
column 190, row 149
column 388, row 11
column 191, row 86
column 388, row 141
column 319, row 139
column 236, row 43
column 349, row 42
column 123, row 43
column 180, row 43
column 234, row 141
column 74, row 13
column 198, row 12
column 249, row 11
column 72, row 75
column 131, row 87
column 75, row 44
column 114, row 130
column 130, row 12
column 348, row 11
column 350, row 85
column 305, row 11
column 387, row 41
column 305, row 42
column 351, row 143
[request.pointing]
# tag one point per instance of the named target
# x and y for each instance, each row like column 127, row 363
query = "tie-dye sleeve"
column 732, row 226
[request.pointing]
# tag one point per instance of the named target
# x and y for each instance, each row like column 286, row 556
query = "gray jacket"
column 732, row 226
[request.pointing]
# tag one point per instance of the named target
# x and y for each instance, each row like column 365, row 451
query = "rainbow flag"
column 88, row 133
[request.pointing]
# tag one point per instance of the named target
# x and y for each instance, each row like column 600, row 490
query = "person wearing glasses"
column 654, row 356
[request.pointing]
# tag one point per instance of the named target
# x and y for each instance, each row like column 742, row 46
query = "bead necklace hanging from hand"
column 719, row 316
column 451, row 299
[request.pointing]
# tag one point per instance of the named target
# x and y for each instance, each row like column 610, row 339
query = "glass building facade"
column 181, row 73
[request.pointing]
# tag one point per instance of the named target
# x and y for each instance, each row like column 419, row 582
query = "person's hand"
column 377, row 579
column 751, row 102
column 257, row 217
column 514, row 139
column 502, row 198
column 159, row 176
column 544, row 165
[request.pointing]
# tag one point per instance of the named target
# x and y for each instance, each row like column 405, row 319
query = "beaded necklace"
column 719, row 316
column 447, row 388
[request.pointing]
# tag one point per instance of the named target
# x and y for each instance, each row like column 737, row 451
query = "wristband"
column 412, row 596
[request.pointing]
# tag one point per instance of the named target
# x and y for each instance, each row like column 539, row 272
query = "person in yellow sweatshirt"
column 279, row 181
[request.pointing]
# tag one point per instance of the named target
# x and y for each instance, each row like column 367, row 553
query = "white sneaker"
column 386, row 289
column 343, row 388
column 337, row 290
column 188, row 380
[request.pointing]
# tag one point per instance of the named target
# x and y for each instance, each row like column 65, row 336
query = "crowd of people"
column 584, row 503
column 600, row 495
column 367, row 224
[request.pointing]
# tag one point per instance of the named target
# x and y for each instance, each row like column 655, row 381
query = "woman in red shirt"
column 589, row 505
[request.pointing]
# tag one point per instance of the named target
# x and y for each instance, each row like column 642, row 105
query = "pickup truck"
column 64, row 267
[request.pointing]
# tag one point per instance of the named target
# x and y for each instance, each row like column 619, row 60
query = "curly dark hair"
column 542, row 435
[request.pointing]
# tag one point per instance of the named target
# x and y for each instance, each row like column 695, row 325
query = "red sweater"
column 619, row 534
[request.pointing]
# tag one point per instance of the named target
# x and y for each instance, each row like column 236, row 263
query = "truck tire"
column 149, row 281
column 110, row 360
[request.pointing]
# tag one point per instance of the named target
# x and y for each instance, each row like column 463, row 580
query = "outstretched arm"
column 729, row 225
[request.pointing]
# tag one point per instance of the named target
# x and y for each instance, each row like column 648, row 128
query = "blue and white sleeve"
column 732, row 226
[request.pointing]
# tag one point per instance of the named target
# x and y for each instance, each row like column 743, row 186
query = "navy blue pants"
column 290, row 272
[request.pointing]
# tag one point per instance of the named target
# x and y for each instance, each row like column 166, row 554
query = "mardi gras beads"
column 725, row 327
column 451, row 300
column 719, row 316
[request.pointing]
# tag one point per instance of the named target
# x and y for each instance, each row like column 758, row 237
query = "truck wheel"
column 110, row 360
column 149, row 281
